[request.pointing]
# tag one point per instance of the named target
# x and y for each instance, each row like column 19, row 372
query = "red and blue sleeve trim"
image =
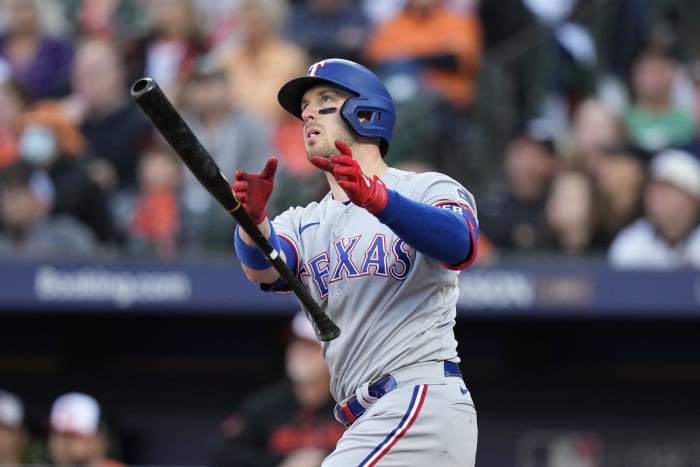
column 446, row 232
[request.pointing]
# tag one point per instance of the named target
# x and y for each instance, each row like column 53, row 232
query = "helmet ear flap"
column 365, row 118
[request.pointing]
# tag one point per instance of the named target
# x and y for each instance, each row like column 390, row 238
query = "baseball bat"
column 170, row 124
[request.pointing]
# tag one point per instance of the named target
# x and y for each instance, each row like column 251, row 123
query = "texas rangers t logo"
column 313, row 69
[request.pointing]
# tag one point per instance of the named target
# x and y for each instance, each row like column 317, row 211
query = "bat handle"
column 326, row 329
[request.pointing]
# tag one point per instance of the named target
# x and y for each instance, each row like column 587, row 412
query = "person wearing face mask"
column 29, row 230
column 50, row 141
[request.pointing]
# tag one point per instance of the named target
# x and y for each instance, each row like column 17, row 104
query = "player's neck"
column 336, row 190
column 370, row 160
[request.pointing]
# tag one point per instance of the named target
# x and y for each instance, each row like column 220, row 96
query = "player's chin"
column 314, row 149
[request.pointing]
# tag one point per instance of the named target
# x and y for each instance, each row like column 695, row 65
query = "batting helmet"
column 369, row 97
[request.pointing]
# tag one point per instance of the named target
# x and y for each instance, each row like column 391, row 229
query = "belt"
column 347, row 412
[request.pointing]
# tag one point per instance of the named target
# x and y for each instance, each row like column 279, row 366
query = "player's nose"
column 309, row 113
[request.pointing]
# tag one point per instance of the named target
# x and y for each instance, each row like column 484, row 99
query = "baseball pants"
column 429, row 420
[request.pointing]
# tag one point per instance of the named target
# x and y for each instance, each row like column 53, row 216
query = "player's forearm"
column 442, row 234
column 265, row 276
column 264, row 227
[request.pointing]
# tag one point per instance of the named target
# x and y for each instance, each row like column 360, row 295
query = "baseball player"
column 380, row 253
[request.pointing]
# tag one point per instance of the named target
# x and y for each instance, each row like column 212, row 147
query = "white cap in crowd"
column 678, row 168
column 75, row 413
column 11, row 410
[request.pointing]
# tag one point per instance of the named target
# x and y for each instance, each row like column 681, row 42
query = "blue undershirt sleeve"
column 251, row 256
column 442, row 234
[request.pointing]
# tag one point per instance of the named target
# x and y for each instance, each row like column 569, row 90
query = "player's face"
column 320, row 111
column 72, row 449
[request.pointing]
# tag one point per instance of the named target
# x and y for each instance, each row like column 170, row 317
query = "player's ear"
column 364, row 116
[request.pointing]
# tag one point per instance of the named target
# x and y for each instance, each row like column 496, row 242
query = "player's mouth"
column 312, row 133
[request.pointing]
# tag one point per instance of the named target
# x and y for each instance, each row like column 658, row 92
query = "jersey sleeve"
column 442, row 191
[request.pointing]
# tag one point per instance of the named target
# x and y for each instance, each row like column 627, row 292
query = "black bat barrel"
column 170, row 124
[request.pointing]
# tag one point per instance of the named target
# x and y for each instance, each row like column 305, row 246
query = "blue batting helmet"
column 369, row 97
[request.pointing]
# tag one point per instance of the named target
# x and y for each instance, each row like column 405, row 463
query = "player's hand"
column 254, row 190
column 369, row 193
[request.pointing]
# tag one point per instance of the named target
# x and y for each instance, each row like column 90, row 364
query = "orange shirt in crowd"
column 256, row 76
column 409, row 35
column 8, row 148
column 156, row 217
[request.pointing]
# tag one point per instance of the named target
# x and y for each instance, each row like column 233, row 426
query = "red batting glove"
column 369, row 193
column 254, row 190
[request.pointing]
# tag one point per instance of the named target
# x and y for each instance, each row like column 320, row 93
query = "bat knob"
column 142, row 86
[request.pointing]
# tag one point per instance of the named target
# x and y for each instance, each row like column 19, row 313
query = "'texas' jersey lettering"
column 346, row 261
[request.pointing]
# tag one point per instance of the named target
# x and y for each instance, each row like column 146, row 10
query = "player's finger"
column 268, row 172
column 346, row 171
column 241, row 196
column 322, row 163
column 239, row 175
column 342, row 159
column 347, row 185
column 343, row 148
column 239, row 185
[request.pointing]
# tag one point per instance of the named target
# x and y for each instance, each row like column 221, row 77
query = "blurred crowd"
column 574, row 123
column 74, row 433
column 289, row 423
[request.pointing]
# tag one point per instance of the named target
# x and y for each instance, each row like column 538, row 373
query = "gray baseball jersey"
column 395, row 306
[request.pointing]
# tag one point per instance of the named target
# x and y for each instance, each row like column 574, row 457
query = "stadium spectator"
column 169, row 51
column 110, row 20
column 220, row 20
column 694, row 74
column 13, row 436
column 512, row 211
column 290, row 424
column 52, row 142
column 15, row 98
column 620, row 184
column 572, row 214
column 654, row 121
column 116, row 130
column 597, row 143
column 149, row 215
column 668, row 236
column 443, row 47
column 257, row 66
column 78, row 433
column 235, row 138
column 328, row 28
column 29, row 230
column 594, row 130
column 260, row 60
column 39, row 60
column 429, row 57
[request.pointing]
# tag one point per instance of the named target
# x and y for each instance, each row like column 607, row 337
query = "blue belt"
column 349, row 411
